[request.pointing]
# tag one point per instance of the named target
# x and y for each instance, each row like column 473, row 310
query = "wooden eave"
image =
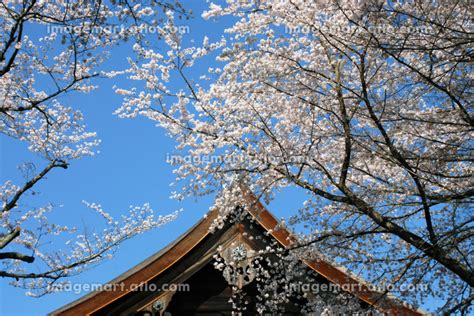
column 163, row 260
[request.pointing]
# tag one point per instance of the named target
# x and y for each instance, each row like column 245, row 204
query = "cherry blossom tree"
column 36, row 69
column 364, row 105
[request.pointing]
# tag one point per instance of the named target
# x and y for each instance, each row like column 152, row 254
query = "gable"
column 194, row 250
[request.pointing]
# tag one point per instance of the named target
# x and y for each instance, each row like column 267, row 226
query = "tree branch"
column 10, row 237
column 28, row 185
column 396, row 154
column 16, row 256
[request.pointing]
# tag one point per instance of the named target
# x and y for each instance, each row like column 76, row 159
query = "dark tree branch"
column 396, row 154
column 28, row 185
column 16, row 256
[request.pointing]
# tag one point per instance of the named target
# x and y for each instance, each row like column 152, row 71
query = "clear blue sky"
column 131, row 169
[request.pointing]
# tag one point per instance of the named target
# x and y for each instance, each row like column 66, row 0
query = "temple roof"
column 172, row 256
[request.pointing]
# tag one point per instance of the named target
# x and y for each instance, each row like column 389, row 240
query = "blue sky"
column 131, row 169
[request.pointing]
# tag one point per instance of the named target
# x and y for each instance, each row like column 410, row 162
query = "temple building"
column 201, row 271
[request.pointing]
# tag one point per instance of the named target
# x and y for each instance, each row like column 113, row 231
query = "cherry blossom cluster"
column 381, row 123
column 49, row 49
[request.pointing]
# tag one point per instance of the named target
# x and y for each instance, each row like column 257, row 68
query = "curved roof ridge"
column 165, row 258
